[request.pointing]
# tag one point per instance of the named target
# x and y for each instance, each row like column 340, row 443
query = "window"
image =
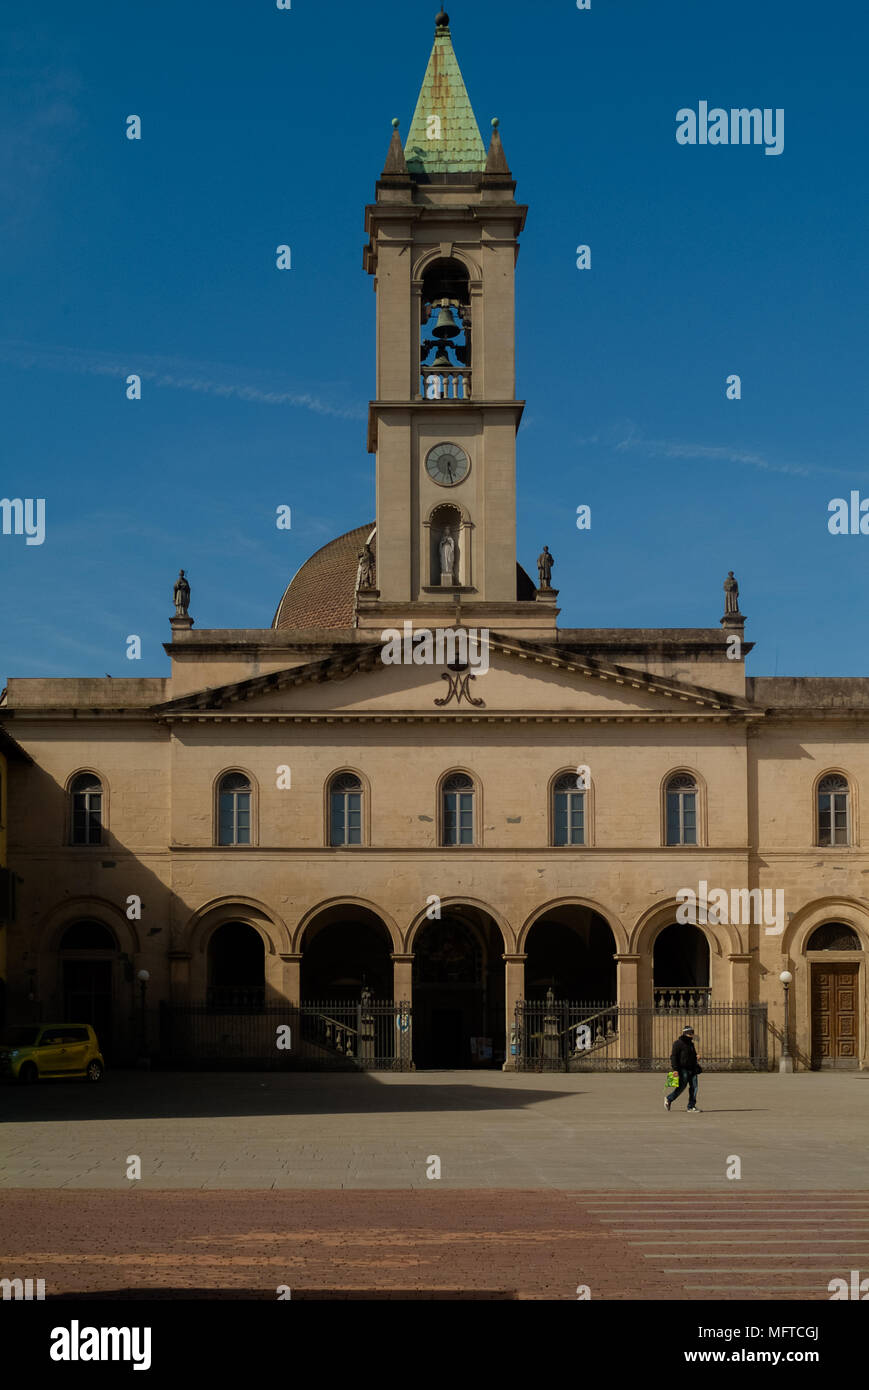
column 345, row 810
column 458, row 810
column 569, row 811
column 834, row 810
column 682, row 810
column 234, row 810
column 87, row 810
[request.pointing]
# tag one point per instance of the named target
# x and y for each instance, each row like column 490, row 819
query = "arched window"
column 834, row 936
column 569, row 810
column 834, row 810
column 234, row 800
column 87, row 810
column 682, row 810
column 458, row 810
column 345, row 809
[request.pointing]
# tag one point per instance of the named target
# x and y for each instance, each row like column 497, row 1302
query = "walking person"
column 683, row 1059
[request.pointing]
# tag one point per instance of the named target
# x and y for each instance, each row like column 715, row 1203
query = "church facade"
column 414, row 817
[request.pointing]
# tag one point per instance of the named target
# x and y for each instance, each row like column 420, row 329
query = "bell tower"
column 443, row 244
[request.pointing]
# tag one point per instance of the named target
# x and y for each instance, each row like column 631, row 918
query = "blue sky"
column 262, row 127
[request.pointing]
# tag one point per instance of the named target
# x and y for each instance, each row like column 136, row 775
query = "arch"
column 723, row 937
column 849, row 911
column 672, row 777
column 450, row 513
column 832, row 774
column 681, row 957
column 444, row 814
column 345, row 948
column 253, row 810
column 211, row 915
column 459, row 996
column 587, row 793
column 454, row 503
column 570, row 949
column 57, row 919
column 88, row 934
column 615, row 924
column 429, row 259
column 834, row 936
column 365, row 817
column 459, row 901
column 236, row 966
column 331, row 905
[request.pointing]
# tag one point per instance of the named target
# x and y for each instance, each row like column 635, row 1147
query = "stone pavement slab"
column 488, row 1129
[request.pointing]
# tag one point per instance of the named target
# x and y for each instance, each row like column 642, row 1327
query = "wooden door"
column 835, row 1015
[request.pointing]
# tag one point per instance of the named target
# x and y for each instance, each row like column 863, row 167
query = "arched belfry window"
column 569, row 810
column 682, row 798
column 234, row 809
column 86, row 819
column 457, row 810
column 345, row 809
column 834, row 810
column 445, row 332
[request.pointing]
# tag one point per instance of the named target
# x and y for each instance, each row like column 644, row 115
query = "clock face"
column 447, row 464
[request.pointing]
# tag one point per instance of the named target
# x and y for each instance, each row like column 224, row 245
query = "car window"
column 75, row 1034
column 50, row 1035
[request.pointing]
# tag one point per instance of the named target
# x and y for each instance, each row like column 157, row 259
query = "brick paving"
column 503, row 1244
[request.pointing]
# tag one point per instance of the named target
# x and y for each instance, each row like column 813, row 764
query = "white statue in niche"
column 448, row 556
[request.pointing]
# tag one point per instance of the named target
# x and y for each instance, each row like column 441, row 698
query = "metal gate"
column 328, row 1035
column 560, row 1035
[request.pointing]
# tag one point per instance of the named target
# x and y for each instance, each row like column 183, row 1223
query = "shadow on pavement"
column 136, row 1095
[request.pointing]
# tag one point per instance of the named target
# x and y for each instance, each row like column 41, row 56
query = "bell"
column 446, row 325
column 442, row 360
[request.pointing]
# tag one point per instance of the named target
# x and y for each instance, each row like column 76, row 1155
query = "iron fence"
column 330, row 1035
column 561, row 1035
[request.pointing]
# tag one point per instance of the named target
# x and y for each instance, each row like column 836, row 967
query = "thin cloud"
column 714, row 453
column 173, row 373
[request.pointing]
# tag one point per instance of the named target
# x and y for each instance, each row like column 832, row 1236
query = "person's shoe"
column 667, row 1103
column 694, row 1110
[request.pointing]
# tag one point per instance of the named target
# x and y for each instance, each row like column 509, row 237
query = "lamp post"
column 144, row 1060
column 786, row 1061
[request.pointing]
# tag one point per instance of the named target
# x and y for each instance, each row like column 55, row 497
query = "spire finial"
column 443, row 20
column 395, row 123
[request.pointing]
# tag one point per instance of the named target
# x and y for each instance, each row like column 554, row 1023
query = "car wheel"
column 28, row 1074
column 94, row 1071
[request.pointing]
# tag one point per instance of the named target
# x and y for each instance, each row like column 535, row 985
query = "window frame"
column 700, row 841
column 71, row 794
column 587, row 795
column 365, row 801
column 253, row 810
column 850, row 840
column 474, row 792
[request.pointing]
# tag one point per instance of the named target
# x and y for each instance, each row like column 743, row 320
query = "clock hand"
column 450, row 471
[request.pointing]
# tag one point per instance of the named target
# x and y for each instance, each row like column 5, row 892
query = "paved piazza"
column 261, row 1131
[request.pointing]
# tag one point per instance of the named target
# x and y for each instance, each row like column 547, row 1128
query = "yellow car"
column 30, row 1051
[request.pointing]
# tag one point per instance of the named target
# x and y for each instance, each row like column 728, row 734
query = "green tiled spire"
column 444, row 136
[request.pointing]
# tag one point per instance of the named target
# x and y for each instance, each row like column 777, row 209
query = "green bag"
column 673, row 1079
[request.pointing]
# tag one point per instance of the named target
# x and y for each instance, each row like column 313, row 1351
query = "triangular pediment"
column 510, row 678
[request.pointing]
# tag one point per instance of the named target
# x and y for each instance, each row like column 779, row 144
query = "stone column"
column 633, row 1041
column 740, row 1023
column 514, row 990
column 179, row 976
column 291, row 977
column 402, row 993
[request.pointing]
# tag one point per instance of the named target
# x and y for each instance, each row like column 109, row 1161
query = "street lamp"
column 786, row 1061
column 144, row 1061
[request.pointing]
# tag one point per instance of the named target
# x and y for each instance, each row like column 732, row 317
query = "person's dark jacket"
column 684, row 1056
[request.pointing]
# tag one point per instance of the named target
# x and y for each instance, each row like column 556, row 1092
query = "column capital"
column 627, row 958
column 402, row 957
column 515, row 957
column 740, row 957
column 290, row 957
